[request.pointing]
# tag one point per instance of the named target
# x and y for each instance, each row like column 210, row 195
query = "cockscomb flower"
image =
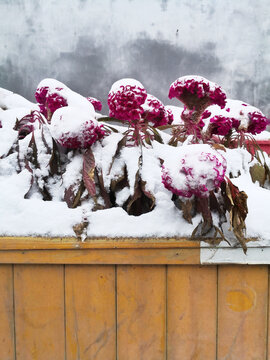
column 197, row 170
column 125, row 100
column 220, row 125
column 155, row 112
column 170, row 116
column 52, row 95
column 95, row 102
column 75, row 128
column 197, row 92
column 257, row 122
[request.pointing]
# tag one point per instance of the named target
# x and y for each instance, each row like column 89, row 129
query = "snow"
column 125, row 82
column 33, row 216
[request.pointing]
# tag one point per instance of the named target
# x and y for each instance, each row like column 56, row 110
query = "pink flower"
column 75, row 128
column 125, row 100
column 155, row 112
column 205, row 115
column 220, row 125
column 49, row 100
column 170, row 116
column 257, row 122
column 196, row 172
column 194, row 91
column 95, row 102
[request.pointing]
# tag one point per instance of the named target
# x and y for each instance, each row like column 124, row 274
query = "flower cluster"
column 155, row 112
column 191, row 90
column 196, row 173
column 75, row 128
column 125, row 100
column 220, row 125
column 49, row 101
column 95, row 102
column 257, row 122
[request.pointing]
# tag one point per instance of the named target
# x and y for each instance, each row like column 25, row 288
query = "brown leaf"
column 187, row 208
column 73, row 194
column 80, row 228
column 258, row 173
column 217, row 146
column 148, row 194
column 203, row 207
column 88, row 173
column 103, row 192
column 54, row 162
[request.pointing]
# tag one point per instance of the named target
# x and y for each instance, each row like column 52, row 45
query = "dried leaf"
column 148, row 194
column 103, row 192
column 80, row 229
column 204, row 208
column 88, row 173
column 73, row 194
column 187, row 208
column 55, row 162
column 258, row 173
column 217, row 146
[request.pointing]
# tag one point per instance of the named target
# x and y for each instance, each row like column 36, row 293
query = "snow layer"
column 20, row 216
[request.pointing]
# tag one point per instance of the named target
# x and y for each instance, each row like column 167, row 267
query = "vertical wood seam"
column 166, row 312
column 14, row 314
column 217, row 310
column 267, row 315
column 65, row 321
column 116, row 313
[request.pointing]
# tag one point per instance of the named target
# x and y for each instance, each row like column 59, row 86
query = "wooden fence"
column 128, row 299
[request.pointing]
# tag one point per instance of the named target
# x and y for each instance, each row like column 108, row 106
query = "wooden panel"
column 24, row 243
column 242, row 312
column 141, row 305
column 102, row 256
column 192, row 304
column 90, row 312
column 39, row 312
column 6, row 313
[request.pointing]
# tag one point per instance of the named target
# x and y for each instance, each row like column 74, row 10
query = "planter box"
column 128, row 299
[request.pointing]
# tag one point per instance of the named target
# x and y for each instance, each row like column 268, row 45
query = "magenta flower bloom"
column 52, row 95
column 206, row 114
column 170, row 116
column 155, row 112
column 220, row 125
column 95, row 102
column 125, row 100
column 197, row 172
column 197, row 92
column 257, row 122
column 75, row 128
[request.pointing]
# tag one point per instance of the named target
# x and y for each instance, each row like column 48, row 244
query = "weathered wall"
column 88, row 44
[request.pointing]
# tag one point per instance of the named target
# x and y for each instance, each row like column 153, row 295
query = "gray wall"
column 88, row 44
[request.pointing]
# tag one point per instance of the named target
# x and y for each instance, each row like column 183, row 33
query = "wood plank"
column 242, row 312
column 102, row 256
column 90, row 312
column 6, row 313
column 191, row 314
column 39, row 312
column 141, row 310
column 27, row 243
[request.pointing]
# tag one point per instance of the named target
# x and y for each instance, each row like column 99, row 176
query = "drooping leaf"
column 148, row 194
column 203, row 207
column 119, row 147
column 258, row 173
column 73, row 194
column 55, row 162
column 187, row 208
column 103, row 191
column 88, row 173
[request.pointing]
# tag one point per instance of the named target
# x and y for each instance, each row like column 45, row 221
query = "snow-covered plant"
column 196, row 177
column 196, row 93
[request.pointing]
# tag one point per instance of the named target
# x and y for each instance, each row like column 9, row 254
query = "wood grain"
column 141, row 312
column 90, row 312
column 7, row 343
column 102, row 256
column 242, row 312
column 192, row 308
column 39, row 312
